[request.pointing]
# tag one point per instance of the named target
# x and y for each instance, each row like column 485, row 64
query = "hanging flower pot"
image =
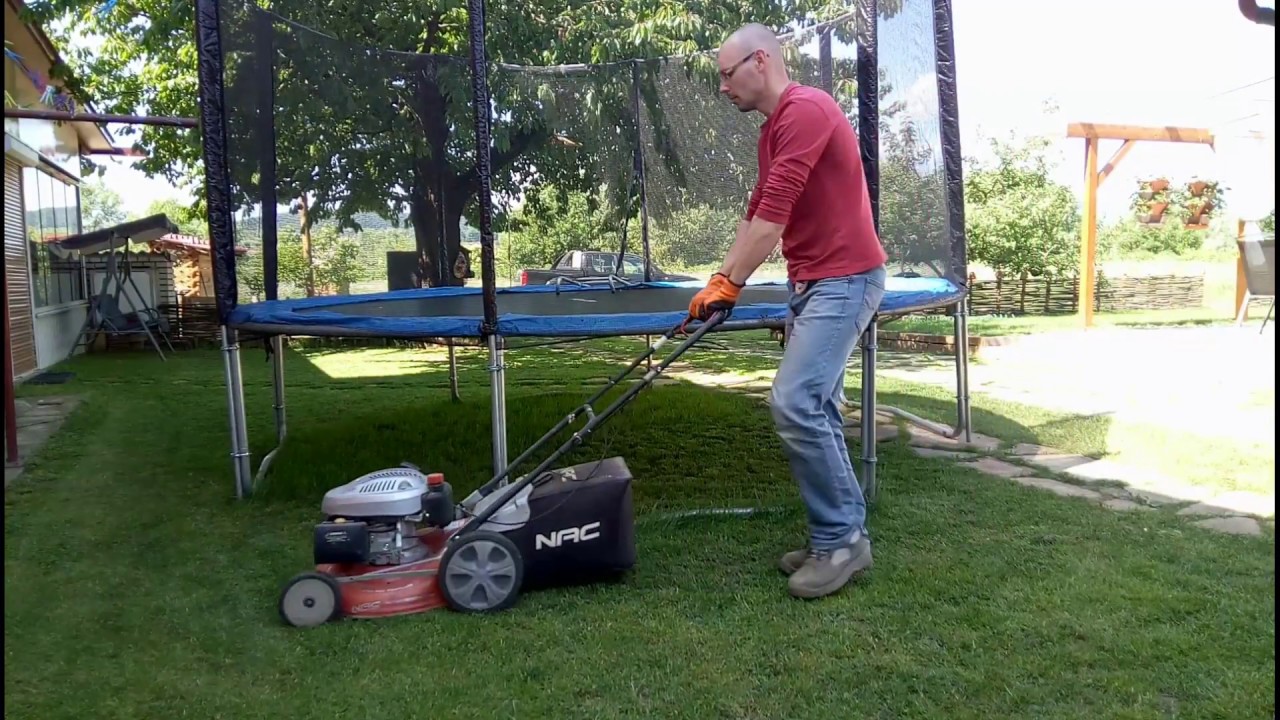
column 1197, row 187
column 1156, row 213
column 1159, row 185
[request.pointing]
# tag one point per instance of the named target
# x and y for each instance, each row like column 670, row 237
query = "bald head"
column 752, row 72
column 752, row 37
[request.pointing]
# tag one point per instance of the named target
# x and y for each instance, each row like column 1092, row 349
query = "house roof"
column 189, row 243
column 92, row 135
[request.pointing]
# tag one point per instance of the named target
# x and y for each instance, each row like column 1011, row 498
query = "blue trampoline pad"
column 545, row 310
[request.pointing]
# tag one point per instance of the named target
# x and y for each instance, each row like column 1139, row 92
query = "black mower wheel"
column 481, row 572
column 310, row 599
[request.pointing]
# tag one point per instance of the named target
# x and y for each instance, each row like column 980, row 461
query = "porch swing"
column 106, row 315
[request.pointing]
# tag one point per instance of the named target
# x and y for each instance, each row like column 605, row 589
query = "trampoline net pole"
column 964, row 418
column 868, row 421
column 263, row 54
column 868, row 73
column 236, row 415
column 498, row 409
column 484, row 165
column 640, row 175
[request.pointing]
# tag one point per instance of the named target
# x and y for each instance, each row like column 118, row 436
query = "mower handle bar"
column 594, row 419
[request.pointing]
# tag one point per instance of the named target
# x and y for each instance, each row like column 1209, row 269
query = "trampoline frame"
column 213, row 119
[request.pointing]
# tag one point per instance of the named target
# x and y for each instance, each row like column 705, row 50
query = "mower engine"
column 376, row 518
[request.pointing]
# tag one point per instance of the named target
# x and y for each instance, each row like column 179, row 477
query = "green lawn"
column 137, row 587
column 1221, row 464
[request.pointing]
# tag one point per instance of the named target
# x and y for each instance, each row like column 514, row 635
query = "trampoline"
column 650, row 137
column 547, row 311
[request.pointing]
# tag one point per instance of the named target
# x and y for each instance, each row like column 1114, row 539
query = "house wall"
column 17, row 277
column 59, row 143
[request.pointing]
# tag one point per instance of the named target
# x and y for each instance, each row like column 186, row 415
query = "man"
column 811, row 194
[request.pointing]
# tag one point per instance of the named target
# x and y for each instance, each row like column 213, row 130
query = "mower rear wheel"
column 481, row 572
column 310, row 599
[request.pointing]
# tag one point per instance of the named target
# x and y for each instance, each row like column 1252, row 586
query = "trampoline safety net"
column 350, row 153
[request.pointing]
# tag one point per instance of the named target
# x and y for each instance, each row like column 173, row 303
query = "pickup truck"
column 597, row 266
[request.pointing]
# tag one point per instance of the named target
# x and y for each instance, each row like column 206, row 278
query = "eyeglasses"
column 726, row 74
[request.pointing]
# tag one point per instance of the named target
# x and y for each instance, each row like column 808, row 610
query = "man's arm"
column 756, row 239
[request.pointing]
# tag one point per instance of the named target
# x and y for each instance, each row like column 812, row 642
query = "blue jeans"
column 826, row 320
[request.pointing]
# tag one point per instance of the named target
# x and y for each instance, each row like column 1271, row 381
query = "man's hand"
column 720, row 294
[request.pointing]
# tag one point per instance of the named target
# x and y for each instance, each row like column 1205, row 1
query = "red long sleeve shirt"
column 811, row 182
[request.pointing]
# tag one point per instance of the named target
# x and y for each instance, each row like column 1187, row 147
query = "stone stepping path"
column 1110, row 485
column 38, row 419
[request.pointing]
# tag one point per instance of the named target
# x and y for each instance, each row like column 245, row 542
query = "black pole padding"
column 639, row 170
column 869, row 101
column 264, row 52
column 213, row 120
column 484, row 163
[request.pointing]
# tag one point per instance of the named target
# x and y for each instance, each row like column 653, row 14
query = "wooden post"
column 1094, row 133
column 1089, row 230
column 1242, row 284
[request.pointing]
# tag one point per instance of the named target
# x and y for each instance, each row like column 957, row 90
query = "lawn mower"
column 393, row 542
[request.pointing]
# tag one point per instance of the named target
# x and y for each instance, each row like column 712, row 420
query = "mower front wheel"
column 310, row 599
column 481, row 572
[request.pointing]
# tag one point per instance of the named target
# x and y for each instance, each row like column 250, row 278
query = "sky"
column 1187, row 63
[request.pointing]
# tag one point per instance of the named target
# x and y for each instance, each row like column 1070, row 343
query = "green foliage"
column 698, row 235
column 335, row 261
column 1268, row 223
column 1132, row 237
column 100, row 206
column 1017, row 219
column 554, row 223
column 363, row 130
column 190, row 219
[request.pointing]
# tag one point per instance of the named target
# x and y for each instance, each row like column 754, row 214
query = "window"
column 632, row 265
column 52, row 211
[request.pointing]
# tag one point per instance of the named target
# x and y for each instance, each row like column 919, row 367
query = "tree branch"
column 521, row 143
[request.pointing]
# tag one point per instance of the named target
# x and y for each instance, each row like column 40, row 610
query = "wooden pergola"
column 1093, row 135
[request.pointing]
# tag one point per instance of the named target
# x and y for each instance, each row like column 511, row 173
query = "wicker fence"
column 193, row 321
column 1061, row 296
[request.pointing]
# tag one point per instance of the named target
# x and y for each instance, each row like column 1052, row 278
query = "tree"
column 100, row 206
column 390, row 131
column 190, row 220
column 1018, row 220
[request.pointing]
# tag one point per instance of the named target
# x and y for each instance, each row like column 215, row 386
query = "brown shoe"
column 826, row 571
column 792, row 561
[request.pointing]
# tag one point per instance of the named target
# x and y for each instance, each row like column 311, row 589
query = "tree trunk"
column 439, row 248
column 437, row 194
column 304, row 228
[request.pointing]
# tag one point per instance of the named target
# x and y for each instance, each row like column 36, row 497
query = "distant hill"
column 287, row 222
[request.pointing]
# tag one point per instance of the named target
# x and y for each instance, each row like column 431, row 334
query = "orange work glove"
column 720, row 294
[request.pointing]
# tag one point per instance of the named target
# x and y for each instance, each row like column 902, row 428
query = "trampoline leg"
column 498, row 413
column 453, row 373
column 235, row 409
column 277, row 384
column 869, row 486
column 964, row 417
